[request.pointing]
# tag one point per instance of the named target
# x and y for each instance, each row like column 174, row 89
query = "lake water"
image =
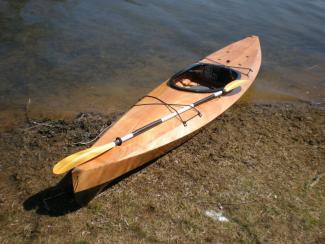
column 103, row 55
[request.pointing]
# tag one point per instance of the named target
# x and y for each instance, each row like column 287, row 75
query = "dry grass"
column 261, row 166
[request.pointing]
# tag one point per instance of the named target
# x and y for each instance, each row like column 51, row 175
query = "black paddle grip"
column 203, row 100
column 147, row 127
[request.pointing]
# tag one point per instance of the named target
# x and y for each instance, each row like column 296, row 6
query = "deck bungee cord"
column 83, row 156
column 170, row 107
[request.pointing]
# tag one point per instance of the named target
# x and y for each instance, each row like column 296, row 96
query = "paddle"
column 81, row 157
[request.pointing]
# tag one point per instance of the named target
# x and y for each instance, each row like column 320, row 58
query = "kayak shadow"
column 60, row 199
column 54, row 201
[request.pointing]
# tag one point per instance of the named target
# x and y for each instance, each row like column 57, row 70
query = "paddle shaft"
column 120, row 140
column 83, row 156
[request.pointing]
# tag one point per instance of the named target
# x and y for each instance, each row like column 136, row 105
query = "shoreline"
column 261, row 166
column 16, row 119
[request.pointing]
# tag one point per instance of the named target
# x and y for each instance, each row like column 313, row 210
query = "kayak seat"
column 203, row 78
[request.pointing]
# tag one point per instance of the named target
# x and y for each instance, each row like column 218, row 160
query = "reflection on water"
column 70, row 56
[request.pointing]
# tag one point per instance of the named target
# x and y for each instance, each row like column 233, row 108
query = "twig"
column 238, row 203
column 29, row 101
column 27, row 109
column 311, row 67
column 94, row 139
column 316, row 179
column 221, row 204
column 36, row 124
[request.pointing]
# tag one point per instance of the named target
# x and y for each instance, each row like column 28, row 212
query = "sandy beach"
column 256, row 174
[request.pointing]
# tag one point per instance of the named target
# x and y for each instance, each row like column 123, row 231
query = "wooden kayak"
column 243, row 57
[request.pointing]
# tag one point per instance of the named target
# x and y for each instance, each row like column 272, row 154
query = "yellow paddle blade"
column 80, row 157
column 234, row 84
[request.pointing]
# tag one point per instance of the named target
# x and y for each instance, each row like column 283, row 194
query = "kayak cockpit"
column 203, row 78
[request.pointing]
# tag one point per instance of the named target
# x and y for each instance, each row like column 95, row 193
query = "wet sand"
column 260, row 166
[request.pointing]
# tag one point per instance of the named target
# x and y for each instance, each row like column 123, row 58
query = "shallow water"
column 100, row 55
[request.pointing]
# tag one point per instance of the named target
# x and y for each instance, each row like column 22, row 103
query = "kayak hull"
column 243, row 56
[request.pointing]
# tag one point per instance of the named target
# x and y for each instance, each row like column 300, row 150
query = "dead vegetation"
column 260, row 166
